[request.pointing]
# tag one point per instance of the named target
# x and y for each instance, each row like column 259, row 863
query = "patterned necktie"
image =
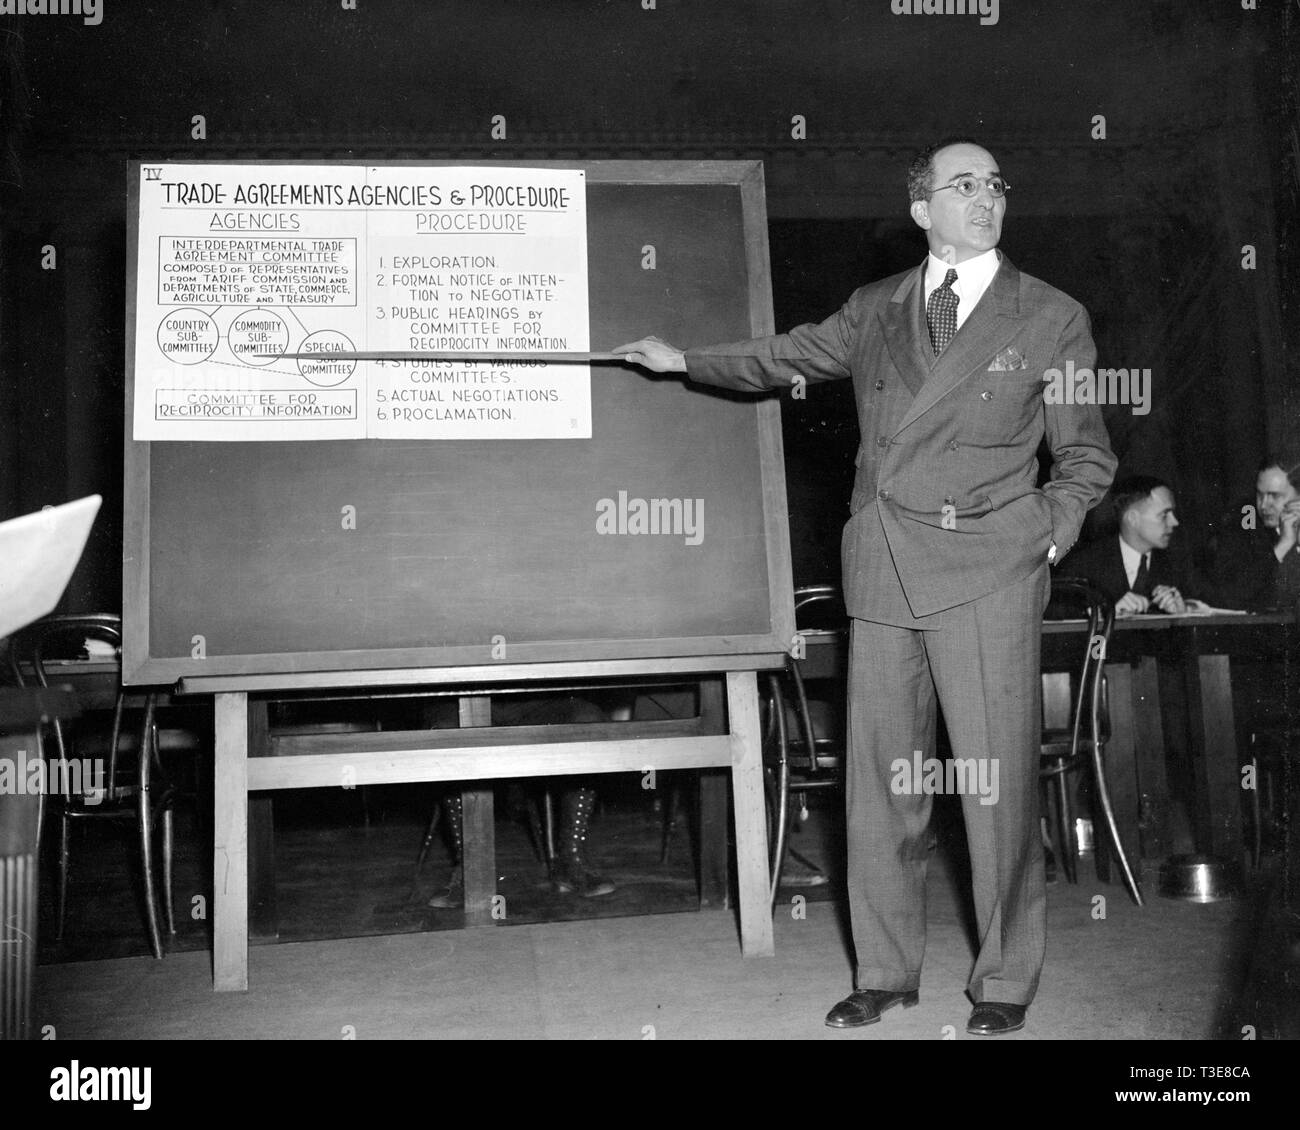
column 941, row 313
column 1142, row 582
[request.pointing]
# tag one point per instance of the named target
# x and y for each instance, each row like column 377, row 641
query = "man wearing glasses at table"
column 1255, row 551
column 945, row 564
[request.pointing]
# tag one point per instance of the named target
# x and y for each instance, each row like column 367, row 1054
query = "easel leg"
column 230, row 845
column 714, row 822
column 751, row 822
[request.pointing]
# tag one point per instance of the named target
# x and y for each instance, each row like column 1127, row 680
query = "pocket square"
column 1007, row 360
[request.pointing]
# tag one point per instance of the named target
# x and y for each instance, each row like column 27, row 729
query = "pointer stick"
column 580, row 358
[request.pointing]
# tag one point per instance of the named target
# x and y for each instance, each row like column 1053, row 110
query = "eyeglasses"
column 969, row 186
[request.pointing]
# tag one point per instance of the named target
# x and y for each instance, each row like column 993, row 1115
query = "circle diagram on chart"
column 326, row 373
column 187, row 336
column 257, row 337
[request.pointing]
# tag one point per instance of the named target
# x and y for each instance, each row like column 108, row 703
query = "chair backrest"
column 1100, row 614
column 820, row 606
column 34, row 650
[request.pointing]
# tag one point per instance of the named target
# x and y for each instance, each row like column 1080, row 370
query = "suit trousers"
column 981, row 663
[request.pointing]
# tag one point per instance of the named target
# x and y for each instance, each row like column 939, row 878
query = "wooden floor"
column 1174, row 970
column 346, row 867
column 1170, row 971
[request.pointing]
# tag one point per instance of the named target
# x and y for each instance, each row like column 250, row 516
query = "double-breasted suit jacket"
column 948, row 533
column 945, row 506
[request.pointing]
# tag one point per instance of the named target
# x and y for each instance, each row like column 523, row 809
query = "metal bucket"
column 1199, row 878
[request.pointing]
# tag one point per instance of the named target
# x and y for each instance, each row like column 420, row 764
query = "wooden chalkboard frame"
column 462, row 665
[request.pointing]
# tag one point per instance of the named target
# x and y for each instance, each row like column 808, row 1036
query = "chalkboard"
column 240, row 558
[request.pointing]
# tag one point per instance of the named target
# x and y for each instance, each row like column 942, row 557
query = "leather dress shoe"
column 865, row 1006
column 993, row 1018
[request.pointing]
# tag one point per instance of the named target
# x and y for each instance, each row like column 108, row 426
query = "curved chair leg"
column 782, row 821
column 810, row 740
column 771, row 778
column 167, row 847
column 805, row 715
column 1065, row 830
column 64, row 832
column 781, row 818
column 548, row 828
column 145, row 821
column 1103, row 788
column 150, row 888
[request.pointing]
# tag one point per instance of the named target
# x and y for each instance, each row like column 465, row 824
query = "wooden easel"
column 475, row 752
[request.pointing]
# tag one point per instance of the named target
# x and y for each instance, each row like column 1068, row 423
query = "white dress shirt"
column 973, row 278
column 1132, row 562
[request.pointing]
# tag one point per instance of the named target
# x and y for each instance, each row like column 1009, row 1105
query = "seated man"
column 1254, row 558
column 1135, row 568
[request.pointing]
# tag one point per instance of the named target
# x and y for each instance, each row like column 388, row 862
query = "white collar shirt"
column 973, row 279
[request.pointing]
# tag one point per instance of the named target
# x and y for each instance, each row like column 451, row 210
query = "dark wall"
column 1144, row 226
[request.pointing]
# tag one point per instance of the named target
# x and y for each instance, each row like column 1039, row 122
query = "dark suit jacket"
column 1102, row 563
column 945, row 506
column 1244, row 573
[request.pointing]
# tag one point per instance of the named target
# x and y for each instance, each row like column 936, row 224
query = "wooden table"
column 1201, row 648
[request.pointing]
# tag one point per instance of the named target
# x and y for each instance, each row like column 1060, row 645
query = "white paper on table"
column 38, row 553
column 1200, row 608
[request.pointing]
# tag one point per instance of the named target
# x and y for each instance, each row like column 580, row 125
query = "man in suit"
column 1255, row 552
column 1134, row 567
column 945, row 564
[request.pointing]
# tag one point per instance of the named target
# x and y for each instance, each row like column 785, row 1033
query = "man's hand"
column 653, row 354
column 1130, row 604
column 1287, row 527
column 1168, row 599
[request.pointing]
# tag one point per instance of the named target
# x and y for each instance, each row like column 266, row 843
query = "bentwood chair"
column 105, row 766
column 1082, row 744
column 804, row 737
